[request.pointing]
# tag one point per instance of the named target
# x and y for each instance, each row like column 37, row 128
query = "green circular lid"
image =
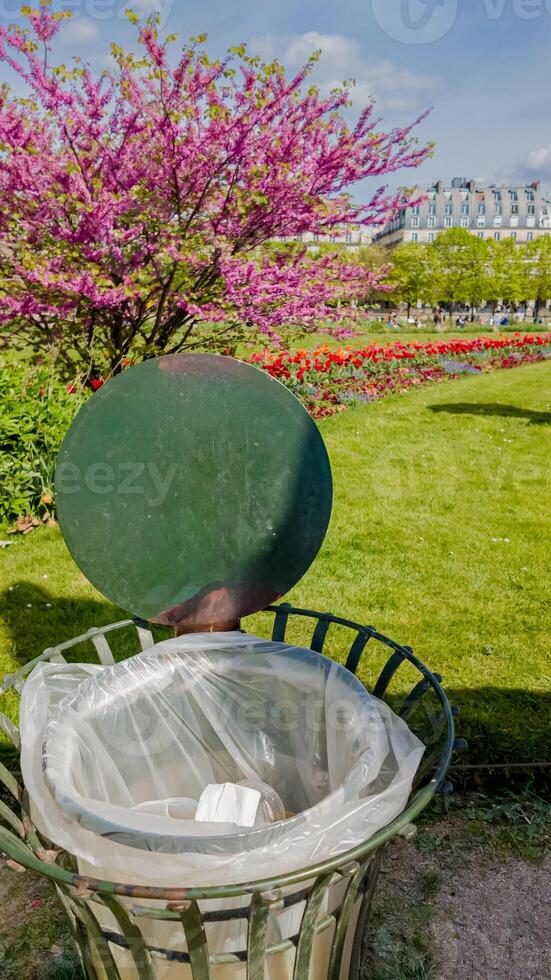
column 193, row 489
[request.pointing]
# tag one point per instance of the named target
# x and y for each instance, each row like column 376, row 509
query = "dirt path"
column 458, row 911
column 495, row 923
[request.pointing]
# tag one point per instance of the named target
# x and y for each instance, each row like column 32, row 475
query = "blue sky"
column 483, row 65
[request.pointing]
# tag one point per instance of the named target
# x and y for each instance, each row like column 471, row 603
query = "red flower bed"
column 327, row 380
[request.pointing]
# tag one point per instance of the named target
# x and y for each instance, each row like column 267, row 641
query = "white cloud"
column 538, row 163
column 80, row 30
column 394, row 88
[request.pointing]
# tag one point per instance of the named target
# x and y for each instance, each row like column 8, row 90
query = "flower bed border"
column 328, row 380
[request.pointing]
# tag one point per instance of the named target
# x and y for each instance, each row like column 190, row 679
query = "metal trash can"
column 114, row 923
column 194, row 490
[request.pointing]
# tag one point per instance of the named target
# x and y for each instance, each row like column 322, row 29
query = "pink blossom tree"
column 138, row 209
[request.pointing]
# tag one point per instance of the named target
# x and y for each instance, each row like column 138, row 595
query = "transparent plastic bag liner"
column 100, row 742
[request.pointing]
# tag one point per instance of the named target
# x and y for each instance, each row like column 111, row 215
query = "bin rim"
column 21, row 854
column 88, row 810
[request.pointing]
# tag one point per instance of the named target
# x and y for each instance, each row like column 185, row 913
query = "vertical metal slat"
column 358, row 646
column 196, row 942
column 257, row 938
column 320, row 633
column 133, row 936
column 308, row 927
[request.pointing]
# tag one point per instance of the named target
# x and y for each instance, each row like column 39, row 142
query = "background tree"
column 413, row 274
column 460, row 263
column 506, row 279
column 141, row 204
column 374, row 259
column 538, row 269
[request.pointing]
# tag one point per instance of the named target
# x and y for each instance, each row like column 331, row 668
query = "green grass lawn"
column 439, row 537
column 381, row 334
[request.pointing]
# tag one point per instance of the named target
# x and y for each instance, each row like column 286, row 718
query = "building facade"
column 351, row 237
column 497, row 212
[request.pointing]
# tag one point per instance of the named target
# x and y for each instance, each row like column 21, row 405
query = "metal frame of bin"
column 357, row 869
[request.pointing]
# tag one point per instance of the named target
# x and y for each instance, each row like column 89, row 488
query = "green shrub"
column 35, row 411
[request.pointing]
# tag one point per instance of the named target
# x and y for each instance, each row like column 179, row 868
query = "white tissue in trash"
column 228, row 803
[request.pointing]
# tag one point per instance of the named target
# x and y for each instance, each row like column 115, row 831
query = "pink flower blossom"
column 138, row 203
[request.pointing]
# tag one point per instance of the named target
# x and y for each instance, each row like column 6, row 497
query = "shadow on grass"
column 36, row 619
column 495, row 408
column 509, row 735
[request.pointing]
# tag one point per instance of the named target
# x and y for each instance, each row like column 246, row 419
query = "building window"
column 348, row 238
column 448, row 222
column 431, row 236
column 497, row 221
column 415, row 222
column 529, row 195
column 464, row 209
column 499, row 209
column 530, row 236
column 415, row 237
column 316, row 238
column 481, row 234
column 531, row 209
column 514, row 208
column 481, row 222
column 431, row 222
column 449, row 208
column 497, row 235
column 514, row 235
column 432, row 208
column 482, row 209
column 513, row 195
column 497, row 195
column 464, row 222
column 415, row 210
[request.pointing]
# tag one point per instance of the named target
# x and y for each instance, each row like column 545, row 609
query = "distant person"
column 504, row 321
